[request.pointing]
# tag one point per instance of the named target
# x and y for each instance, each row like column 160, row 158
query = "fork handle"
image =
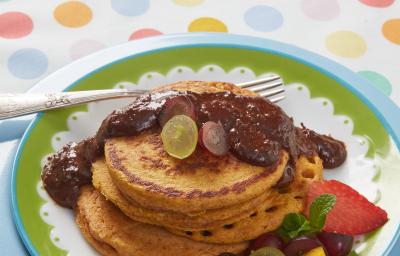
column 13, row 105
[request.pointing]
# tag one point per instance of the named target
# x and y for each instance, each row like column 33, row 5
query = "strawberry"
column 352, row 214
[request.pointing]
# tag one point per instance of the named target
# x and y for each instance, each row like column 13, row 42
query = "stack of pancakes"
column 145, row 202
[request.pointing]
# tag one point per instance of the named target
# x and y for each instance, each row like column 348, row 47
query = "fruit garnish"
column 178, row 105
column 266, row 240
column 287, row 176
column 352, row 214
column 336, row 244
column 267, row 251
column 179, row 136
column 295, row 224
column 301, row 245
column 212, row 137
column 319, row 251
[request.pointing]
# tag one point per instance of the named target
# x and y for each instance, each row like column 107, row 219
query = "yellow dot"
column 188, row 2
column 73, row 14
column 391, row 30
column 206, row 24
column 346, row 44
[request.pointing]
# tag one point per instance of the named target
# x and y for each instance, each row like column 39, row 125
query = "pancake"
column 267, row 216
column 142, row 170
column 207, row 220
column 110, row 232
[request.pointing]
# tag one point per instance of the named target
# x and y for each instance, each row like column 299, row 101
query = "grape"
column 212, row 137
column 287, row 176
column 267, row 251
column 336, row 244
column 179, row 136
column 267, row 239
column 178, row 105
column 300, row 245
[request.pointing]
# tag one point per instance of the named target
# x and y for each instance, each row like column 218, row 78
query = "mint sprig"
column 320, row 208
column 296, row 224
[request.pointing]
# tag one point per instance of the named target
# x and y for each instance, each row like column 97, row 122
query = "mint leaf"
column 295, row 224
column 320, row 208
column 293, row 221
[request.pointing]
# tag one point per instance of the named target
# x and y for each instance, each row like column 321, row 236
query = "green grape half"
column 179, row 136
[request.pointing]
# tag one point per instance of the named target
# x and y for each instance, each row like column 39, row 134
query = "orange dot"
column 73, row 14
column 391, row 30
column 207, row 24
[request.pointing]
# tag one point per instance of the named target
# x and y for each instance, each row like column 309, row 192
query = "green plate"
column 314, row 83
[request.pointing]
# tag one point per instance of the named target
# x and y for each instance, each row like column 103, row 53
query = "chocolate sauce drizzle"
column 257, row 130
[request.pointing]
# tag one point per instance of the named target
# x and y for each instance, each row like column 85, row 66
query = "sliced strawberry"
column 352, row 214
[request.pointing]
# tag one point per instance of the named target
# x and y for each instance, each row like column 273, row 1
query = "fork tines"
column 270, row 87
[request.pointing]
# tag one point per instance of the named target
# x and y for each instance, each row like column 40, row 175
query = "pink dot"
column 321, row 9
column 84, row 47
column 144, row 32
column 377, row 3
column 15, row 25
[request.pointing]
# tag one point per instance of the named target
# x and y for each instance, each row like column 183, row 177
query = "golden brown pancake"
column 207, row 220
column 144, row 172
column 269, row 215
column 110, row 232
column 266, row 216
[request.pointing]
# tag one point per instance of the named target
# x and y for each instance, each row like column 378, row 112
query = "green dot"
column 242, row 71
column 41, row 187
column 210, row 69
column 74, row 118
column 325, row 103
column 362, row 142
column 180, row 70
column 121, row 86
column 46, row 214
column 346, row 121
column 299, row 88
column 58, row 138
column 149, row 76
column 377, row 80
column 56, row 239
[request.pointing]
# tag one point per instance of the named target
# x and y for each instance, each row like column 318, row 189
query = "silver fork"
column 13, row 105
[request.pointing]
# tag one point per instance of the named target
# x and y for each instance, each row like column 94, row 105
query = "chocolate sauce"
column 257, row 130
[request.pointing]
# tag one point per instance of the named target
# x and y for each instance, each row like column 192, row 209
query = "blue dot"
column 27, row 63
column 130, row 7
column 263, row 18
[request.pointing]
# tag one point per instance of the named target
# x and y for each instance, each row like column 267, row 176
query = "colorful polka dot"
column 130, row 7
column 207, row 24
column 321, row 9
column 346, row 44
column 145, row 32
column 377, row 3
column 15, row 25
column 263, row 18
column 377, row 80
column 188, row 2
column 83, row 48
column 73, row 14
column 391, row 30
column 27, row 63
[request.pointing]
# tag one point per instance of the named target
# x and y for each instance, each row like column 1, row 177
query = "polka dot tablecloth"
column 39, row 37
